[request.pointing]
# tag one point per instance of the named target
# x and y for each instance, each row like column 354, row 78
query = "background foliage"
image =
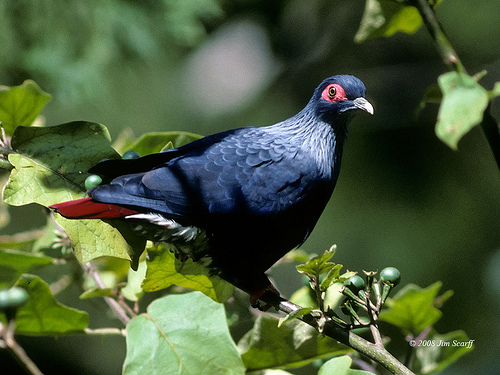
column 403, row 197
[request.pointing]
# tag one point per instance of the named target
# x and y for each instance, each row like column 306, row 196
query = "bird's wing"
column 242, row 172
column 119, row 167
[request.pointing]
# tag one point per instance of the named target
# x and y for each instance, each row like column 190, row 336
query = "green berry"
column 390, row 275
column 13, row 298
column 355, row 283
column 131, row 155
column 92, row 181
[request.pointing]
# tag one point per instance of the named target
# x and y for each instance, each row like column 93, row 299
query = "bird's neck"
column 320, row 139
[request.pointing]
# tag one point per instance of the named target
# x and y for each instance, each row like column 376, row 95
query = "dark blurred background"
column 403, row 199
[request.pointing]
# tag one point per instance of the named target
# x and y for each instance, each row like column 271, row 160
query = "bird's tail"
column 87, row 208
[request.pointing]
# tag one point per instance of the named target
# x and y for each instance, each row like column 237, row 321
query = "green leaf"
column 340, row 366
column 95, row 238
column 21, row 241
column 51, row 166
column 496, row 90
column 43, row 315
column 51, row 163
column 165, row 270
column 20, row 105
column 150, row 143
column 294, row 344
column 462, row 107
column 414, row 308
column 13, row 263
column 432, row 94
column 297, row 256
column 440, row 351
column 318, row 265
column 305, row 296
column 97, row 292
column 296, row 314
column 133, row 290
column 333, row 277
column 384, row 18
column 181, row 334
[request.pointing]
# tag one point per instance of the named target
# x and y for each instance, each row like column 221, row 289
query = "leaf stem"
column 319, row 293
column 376, row 352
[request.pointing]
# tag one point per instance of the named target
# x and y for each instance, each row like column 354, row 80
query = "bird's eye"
column 332, row 91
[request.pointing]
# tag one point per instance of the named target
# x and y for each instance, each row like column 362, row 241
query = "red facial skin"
column 333, row 93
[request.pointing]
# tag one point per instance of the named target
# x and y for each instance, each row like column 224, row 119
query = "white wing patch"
column 172, row 228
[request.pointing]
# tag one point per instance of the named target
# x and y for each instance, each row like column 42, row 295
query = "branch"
column 373, row 351
column 452, row 61
column 443, row 45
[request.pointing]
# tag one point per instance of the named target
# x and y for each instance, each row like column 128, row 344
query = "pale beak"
column 363, row 104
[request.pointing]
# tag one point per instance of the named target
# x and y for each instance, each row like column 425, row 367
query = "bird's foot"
column 256, row 294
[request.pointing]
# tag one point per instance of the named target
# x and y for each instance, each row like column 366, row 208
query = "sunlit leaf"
column 305, row 297
column 133, row 290
column 296, row 314
column 43, row 314
column 384, row 18
column 319, row 264
column 414, row 308
column 50, row 166
column 292, row 345
column 51, row 163
column 20, row 105
column 95, row 238
column 165, row 270
column 340, row 366
column 150, row 143
column 97, row 292
column 181, row 334
column 462, row 107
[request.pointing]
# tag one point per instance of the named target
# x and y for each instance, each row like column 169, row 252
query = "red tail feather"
column 87, row 208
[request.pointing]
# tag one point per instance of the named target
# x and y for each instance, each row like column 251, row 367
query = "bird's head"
column 338, row 95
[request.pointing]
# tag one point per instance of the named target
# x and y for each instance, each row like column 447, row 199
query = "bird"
column 239, row 200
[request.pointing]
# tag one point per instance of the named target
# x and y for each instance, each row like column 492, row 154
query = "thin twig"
column 105, row 331
column 113, row 304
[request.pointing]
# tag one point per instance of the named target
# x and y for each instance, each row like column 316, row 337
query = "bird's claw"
column 256, row 294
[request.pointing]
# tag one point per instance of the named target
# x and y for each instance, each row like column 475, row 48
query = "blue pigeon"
column 238, row 200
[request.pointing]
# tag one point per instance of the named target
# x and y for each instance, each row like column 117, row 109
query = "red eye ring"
column 333, row 93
